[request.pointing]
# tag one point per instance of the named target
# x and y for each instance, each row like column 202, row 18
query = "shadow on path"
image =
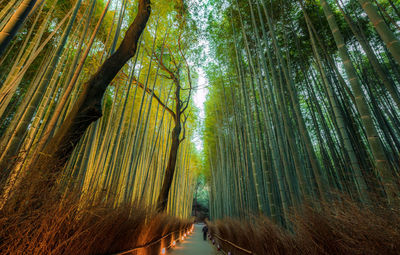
column 194, row 245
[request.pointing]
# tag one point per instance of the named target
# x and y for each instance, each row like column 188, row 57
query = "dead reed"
column 39, row 218
column 73, row 225
column 337, row 228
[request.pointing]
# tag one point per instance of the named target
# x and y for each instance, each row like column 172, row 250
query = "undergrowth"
column 72, row 225
column 335, row 228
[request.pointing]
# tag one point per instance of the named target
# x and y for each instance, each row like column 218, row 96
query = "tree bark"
column 162, row 200
column 87, row 109
column 180, row 107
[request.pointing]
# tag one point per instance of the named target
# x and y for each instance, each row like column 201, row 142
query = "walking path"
column 194, row 245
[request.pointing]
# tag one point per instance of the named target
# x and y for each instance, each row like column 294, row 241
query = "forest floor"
column 194, row 245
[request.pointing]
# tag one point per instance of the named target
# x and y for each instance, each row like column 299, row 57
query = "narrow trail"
column 194, row 245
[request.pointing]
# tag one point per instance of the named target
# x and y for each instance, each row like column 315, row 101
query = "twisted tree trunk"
column 87, row 109
column 162, row 200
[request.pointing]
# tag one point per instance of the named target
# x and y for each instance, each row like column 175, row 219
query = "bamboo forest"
column 200, row 127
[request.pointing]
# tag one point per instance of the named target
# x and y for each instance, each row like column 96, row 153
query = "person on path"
column 205, row 231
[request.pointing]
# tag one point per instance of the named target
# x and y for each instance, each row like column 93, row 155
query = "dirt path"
column 194, row 245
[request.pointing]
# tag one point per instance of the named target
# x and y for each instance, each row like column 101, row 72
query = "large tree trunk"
column 162, row 200
column 87, row 109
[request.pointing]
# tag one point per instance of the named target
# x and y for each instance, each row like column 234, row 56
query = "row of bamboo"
column 304, row 105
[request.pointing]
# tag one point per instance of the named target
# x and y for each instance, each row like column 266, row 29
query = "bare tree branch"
column 150, row 91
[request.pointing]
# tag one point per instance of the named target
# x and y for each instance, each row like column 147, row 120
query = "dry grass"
column 73, row 227
column 336, row 228
column 38, row 219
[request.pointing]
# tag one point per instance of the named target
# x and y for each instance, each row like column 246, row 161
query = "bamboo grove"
column 303, row 104
column 124, row 155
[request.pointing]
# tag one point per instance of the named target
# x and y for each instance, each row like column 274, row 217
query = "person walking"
column 205, row 231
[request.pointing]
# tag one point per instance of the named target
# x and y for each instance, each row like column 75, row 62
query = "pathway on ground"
column 194, row 245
